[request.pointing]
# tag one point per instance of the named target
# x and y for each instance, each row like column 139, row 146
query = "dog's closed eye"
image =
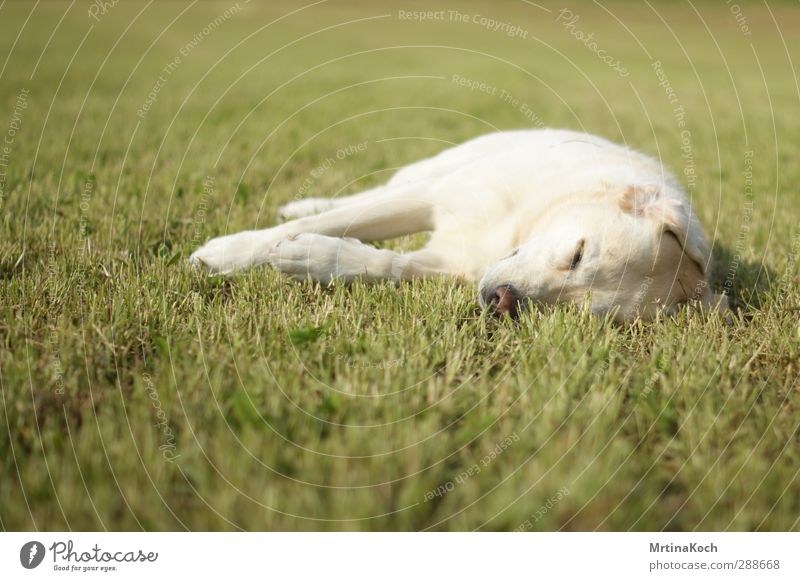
column 578, row 255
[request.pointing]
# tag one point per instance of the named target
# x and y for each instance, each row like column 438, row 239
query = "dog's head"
column 631, row 252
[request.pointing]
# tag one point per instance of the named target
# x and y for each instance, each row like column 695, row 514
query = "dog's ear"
column 675, row 217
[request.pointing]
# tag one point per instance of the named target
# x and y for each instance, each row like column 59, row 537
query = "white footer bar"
column 401, row 556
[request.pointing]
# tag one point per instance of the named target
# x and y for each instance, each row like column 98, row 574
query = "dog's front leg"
column 325, row 258
column 386, row 213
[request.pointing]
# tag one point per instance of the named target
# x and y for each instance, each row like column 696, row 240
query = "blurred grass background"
column 137, row 394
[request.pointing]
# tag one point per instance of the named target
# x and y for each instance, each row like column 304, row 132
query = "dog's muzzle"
column 503, row 300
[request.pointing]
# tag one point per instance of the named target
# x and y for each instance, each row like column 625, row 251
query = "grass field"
column 137, row 394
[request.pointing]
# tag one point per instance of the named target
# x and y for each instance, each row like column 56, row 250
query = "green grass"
column 137, row 394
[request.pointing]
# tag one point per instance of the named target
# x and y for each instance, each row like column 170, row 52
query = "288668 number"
column 758, row 564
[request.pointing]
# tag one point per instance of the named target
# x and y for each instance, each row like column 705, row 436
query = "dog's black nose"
column 505, row 299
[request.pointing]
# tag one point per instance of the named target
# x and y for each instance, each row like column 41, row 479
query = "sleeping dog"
column 532, row 216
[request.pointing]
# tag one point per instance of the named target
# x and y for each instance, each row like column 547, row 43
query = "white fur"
column 537, row 192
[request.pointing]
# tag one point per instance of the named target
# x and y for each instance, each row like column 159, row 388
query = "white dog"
column 535, row 216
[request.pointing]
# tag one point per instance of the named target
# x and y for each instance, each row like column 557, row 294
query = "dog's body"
column 545, row 215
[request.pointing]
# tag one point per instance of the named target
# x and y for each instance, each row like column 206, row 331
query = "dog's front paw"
column 324, row 258
column 233, row 253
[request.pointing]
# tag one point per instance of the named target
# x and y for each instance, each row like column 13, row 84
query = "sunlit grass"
column 138, row 394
